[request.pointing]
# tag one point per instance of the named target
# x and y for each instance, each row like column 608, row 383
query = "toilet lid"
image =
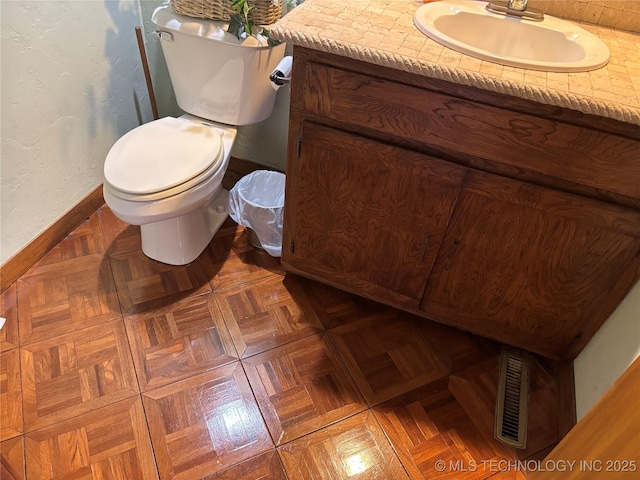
column 161, row 155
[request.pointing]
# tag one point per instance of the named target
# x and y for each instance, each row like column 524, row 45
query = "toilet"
column 166, row 175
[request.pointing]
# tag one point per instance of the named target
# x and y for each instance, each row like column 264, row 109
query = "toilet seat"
column 163, row 158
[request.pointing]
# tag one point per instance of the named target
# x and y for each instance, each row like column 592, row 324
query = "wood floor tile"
column 336, row 307
column 120, row 237
column 427, row 426
column 267, row 313
column 302, row 387
column 86, row 239
column 63, row 297
column 205, row 424
column 543, row 425
column 185, row 339
column 9, row 310
column 144, row 284
column 509, row 474
column 475, row 388
column 76, row 373
column 109, row 443
column 355, row 448
column 263, row 467
column 387, row 355
column 455, row 348
column 230, row 260
column 12, row 459
column 10, row 395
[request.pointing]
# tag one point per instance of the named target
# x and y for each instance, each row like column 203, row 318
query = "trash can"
column 257, row 202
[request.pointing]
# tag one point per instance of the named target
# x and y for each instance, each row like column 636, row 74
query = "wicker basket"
column 264, row 11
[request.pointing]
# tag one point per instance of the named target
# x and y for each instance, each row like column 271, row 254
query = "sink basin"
column 552, row 45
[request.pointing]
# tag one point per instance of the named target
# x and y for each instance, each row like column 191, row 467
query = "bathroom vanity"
column 506, row 217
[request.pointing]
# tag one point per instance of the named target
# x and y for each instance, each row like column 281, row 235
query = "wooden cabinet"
column 367, row 215
column 529, row 265
column 523, row 228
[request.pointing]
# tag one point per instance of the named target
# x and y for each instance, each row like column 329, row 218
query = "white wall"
column 609, row 353
column 266, row 142
column 165, row 99
column 72, row 84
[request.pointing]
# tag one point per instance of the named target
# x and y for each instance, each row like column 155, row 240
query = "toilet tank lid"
column 165, row 18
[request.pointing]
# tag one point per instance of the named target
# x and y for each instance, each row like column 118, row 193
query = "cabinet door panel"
column 366, row 216
column 531, row 266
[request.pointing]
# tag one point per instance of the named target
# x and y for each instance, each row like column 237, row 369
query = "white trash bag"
column 257, row 202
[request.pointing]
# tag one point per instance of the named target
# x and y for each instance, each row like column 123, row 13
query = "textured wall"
column 165, row 98
column 622, row 14
column 266, row 142
column 72, row 84
column 608, row 354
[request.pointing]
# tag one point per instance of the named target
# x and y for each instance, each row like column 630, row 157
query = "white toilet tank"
column 215, row 75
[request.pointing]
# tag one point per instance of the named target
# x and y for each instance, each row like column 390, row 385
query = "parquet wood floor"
column 354, row 448
column 267, row 313
column 205, row 423
column 10, row 395
column 229, row 260
column 179, row 341
column 119, row 237
column 9, row 337
column 12, row 459
column 301, row 387
column 112, row 442
column 264, row 467
column 144, row 284
column 62, row 297
column 76, row 373
column 114, row 366
column 387, row 355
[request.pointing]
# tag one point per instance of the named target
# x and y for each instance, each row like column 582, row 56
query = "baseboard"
column 238, row 168
column 566, row 396
column 244, row 167
column 25, row 258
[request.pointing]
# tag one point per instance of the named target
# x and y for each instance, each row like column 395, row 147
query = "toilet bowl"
column 166, row 175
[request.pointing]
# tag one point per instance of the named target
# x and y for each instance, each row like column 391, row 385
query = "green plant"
column 241, row 22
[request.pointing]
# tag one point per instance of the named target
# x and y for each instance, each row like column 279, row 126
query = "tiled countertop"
column 382, row 32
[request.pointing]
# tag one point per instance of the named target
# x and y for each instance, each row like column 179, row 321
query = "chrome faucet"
column 515, row 8
column 520, row 5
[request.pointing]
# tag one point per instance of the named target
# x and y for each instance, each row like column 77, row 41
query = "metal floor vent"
column 513, row 400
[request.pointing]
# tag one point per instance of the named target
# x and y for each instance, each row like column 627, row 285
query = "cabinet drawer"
column 543, row 148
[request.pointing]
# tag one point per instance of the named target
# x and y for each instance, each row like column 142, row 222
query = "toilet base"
column 179, row 240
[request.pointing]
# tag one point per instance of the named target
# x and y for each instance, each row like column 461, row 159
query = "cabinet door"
column 365, row 216
column 531, row 266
